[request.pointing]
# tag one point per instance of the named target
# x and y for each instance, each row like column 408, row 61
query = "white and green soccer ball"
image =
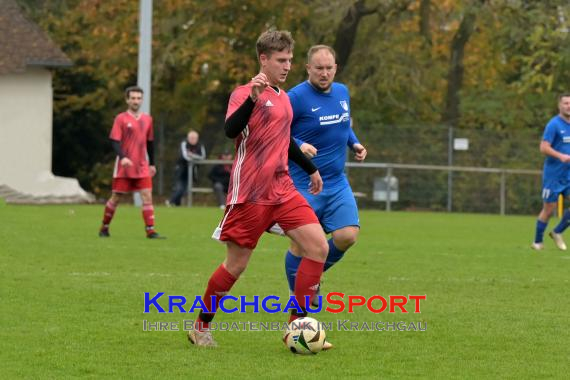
column 305, row 336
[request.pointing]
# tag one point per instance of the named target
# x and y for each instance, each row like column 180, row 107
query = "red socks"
column 148, row 216
column 109, row 212
column 219, row 285
column 307, row 282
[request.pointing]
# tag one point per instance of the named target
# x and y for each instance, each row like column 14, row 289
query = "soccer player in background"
column 132, row 139
column 555, row 145
column 322, row 127
column 261, row 191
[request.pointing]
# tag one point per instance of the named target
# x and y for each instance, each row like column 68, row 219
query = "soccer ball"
column 305, row 336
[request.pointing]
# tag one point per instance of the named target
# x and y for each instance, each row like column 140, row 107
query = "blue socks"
column 291, row 265
column 540, row 227
column 564, row 222
column 334, row 256
column 292, row 262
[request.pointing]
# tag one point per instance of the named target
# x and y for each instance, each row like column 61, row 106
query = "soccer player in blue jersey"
column 322, row 128
column 555, row 145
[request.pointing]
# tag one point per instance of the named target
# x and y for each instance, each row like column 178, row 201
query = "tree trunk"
column 346, row 32
column 425, row 16
column 455, row 75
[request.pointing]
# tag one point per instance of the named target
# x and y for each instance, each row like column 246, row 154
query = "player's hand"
column 309, row 150
column 359, row 152
column 152, row 170
column 316, row 185
column 126, row 162
column 259, row 82
column 565, row 158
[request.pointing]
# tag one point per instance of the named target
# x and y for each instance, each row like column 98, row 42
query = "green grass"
column 72, row 303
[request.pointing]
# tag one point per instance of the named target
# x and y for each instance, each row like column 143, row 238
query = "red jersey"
column 260, row 173
column 133, row 134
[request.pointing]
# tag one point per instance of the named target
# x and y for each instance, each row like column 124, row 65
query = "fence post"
column 503, row 191
column 388, row 189
column 190, row 183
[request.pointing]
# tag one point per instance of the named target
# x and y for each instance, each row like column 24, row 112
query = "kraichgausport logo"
column 336, row 302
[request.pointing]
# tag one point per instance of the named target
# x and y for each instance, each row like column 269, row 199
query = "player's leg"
column 556, row 234
column 300, row 223
column 240, row 229
column 340, row 217
column 144, row 185
column 541, row 223
column 119, row 186
column 295, row 253
column 549, row 198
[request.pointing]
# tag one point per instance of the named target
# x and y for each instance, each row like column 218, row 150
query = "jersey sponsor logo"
column 268, row 103
column 566, row 139
column 344, row 105
column 333, row 119
column 314, row 109
column 129, row 125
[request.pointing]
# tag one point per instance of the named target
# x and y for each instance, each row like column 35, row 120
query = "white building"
column 26, row 57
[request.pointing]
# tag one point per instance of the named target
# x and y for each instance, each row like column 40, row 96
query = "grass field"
column 72, row 303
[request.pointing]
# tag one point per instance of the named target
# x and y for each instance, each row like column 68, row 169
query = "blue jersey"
column 322, row 120
column 557, row 133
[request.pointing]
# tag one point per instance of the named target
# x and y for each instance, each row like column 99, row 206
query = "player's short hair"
column 130, row 89
column 274, row 40
column 315, row 48
column 563, row 95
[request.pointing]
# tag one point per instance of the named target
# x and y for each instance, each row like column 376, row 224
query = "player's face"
column 564, row 107
column 134, row 101
column 276, row 66
column 321, row 70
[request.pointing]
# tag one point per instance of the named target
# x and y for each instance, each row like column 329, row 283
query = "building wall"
column 26, row 136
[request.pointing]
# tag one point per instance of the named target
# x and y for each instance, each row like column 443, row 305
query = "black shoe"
column 104, row 233
column 155, row 235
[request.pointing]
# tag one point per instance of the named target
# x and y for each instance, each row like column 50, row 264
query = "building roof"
column 24, row 44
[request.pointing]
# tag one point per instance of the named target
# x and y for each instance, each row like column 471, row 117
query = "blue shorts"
column 553, row 188
column 335, row 208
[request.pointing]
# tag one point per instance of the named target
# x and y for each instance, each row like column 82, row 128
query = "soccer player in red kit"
column 261, row 191
column 132, row 138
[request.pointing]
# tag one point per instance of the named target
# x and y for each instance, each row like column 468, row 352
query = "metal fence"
column 392, row 186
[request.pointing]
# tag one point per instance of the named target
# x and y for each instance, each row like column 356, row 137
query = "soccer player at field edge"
column 555, row 145
column 261, row 192
column 132, row 139
column 322, row 127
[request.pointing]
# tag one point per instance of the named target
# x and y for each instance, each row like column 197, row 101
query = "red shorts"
column 244, row 223
column 127, row 185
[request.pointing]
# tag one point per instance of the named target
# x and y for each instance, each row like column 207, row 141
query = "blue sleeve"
column 352, row 139
column 549, row 133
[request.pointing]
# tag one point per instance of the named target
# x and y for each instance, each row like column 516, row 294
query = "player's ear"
column 263, row 58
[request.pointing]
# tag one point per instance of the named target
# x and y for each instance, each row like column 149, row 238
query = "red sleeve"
column 237, row 98
column 117, row 130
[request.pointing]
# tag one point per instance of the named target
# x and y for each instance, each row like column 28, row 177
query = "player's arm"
column 123, row 159
column 297, row 156
column 237, row 122
column 355, row 145
column 150, row 152
column 547, row 149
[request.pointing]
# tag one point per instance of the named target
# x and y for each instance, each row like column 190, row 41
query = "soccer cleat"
column 154, row 235
column 202, row 338
column 537, row 246
column 558, row 240
column 327, row 345
column 104, row 232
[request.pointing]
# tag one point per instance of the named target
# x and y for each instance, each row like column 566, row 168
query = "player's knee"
column 321, row 250
column 236, row 268
column 345, row 242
